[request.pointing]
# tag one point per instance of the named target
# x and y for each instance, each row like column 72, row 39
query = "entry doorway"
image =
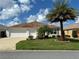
column 3, row 34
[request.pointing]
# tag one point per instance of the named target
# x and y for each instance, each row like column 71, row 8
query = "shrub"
column 30, row 38
column 46, row 37
column 67, row 35
column 58, row 36
column 44, row 31
column 72, row 39
column 53, row 36
column 40, row 37
column 74, row 34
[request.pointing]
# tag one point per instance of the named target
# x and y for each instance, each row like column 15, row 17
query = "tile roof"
column 32, row 25
column 72, row 26
column 28, row 25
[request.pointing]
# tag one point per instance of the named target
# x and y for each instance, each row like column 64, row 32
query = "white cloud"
column 77, row 19
column 40, row 16
column 2, row 24
column 25, row 7
column 15, row 21
column 13, row 9
column 6, row 3
column 11, row 12
column 31, row 18
column 12, row 23
column 25, row 1
column 57, row 24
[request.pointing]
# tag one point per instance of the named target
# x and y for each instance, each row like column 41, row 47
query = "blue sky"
column 13, row 12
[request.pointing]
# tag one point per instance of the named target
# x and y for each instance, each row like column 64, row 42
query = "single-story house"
column 28, row 29
column 2, row 31
column 72, row 28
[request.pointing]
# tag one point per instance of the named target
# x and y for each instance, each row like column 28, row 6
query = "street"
column 40, row 55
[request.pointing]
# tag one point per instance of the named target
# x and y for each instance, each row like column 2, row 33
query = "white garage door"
column 18, row 33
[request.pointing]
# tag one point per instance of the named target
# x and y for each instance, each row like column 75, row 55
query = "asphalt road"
column 40, row 55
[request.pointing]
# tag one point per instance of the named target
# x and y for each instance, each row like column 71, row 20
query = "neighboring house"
column 2, row 31
column 70, row 29
column 28, row 29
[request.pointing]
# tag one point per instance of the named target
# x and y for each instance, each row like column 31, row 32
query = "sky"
column 13, row 12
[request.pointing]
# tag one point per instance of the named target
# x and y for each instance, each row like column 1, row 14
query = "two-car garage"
column 21, row 32
column 17, row 33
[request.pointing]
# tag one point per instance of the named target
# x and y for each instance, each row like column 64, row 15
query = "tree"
column 44, row 31
column 74, row 34
column 61, row 13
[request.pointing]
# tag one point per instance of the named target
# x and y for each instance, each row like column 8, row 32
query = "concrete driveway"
column 9, row 43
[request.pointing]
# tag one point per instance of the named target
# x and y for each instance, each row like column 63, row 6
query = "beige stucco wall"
column 68, row 32
column 78, row 33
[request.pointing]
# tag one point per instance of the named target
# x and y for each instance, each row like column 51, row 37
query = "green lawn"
column 49, row 44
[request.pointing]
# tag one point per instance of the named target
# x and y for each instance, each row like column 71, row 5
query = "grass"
column 49, row 44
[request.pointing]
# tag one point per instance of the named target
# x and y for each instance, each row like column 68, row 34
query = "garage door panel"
column 18, row 33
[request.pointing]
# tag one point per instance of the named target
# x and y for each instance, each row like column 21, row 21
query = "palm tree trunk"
column 62, row 31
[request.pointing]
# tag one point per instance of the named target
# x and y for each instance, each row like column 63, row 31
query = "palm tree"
column 60, row 13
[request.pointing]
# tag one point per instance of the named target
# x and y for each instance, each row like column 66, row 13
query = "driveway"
column 9, row 43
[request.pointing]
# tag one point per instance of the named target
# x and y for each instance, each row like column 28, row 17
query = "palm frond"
column 61, row 8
